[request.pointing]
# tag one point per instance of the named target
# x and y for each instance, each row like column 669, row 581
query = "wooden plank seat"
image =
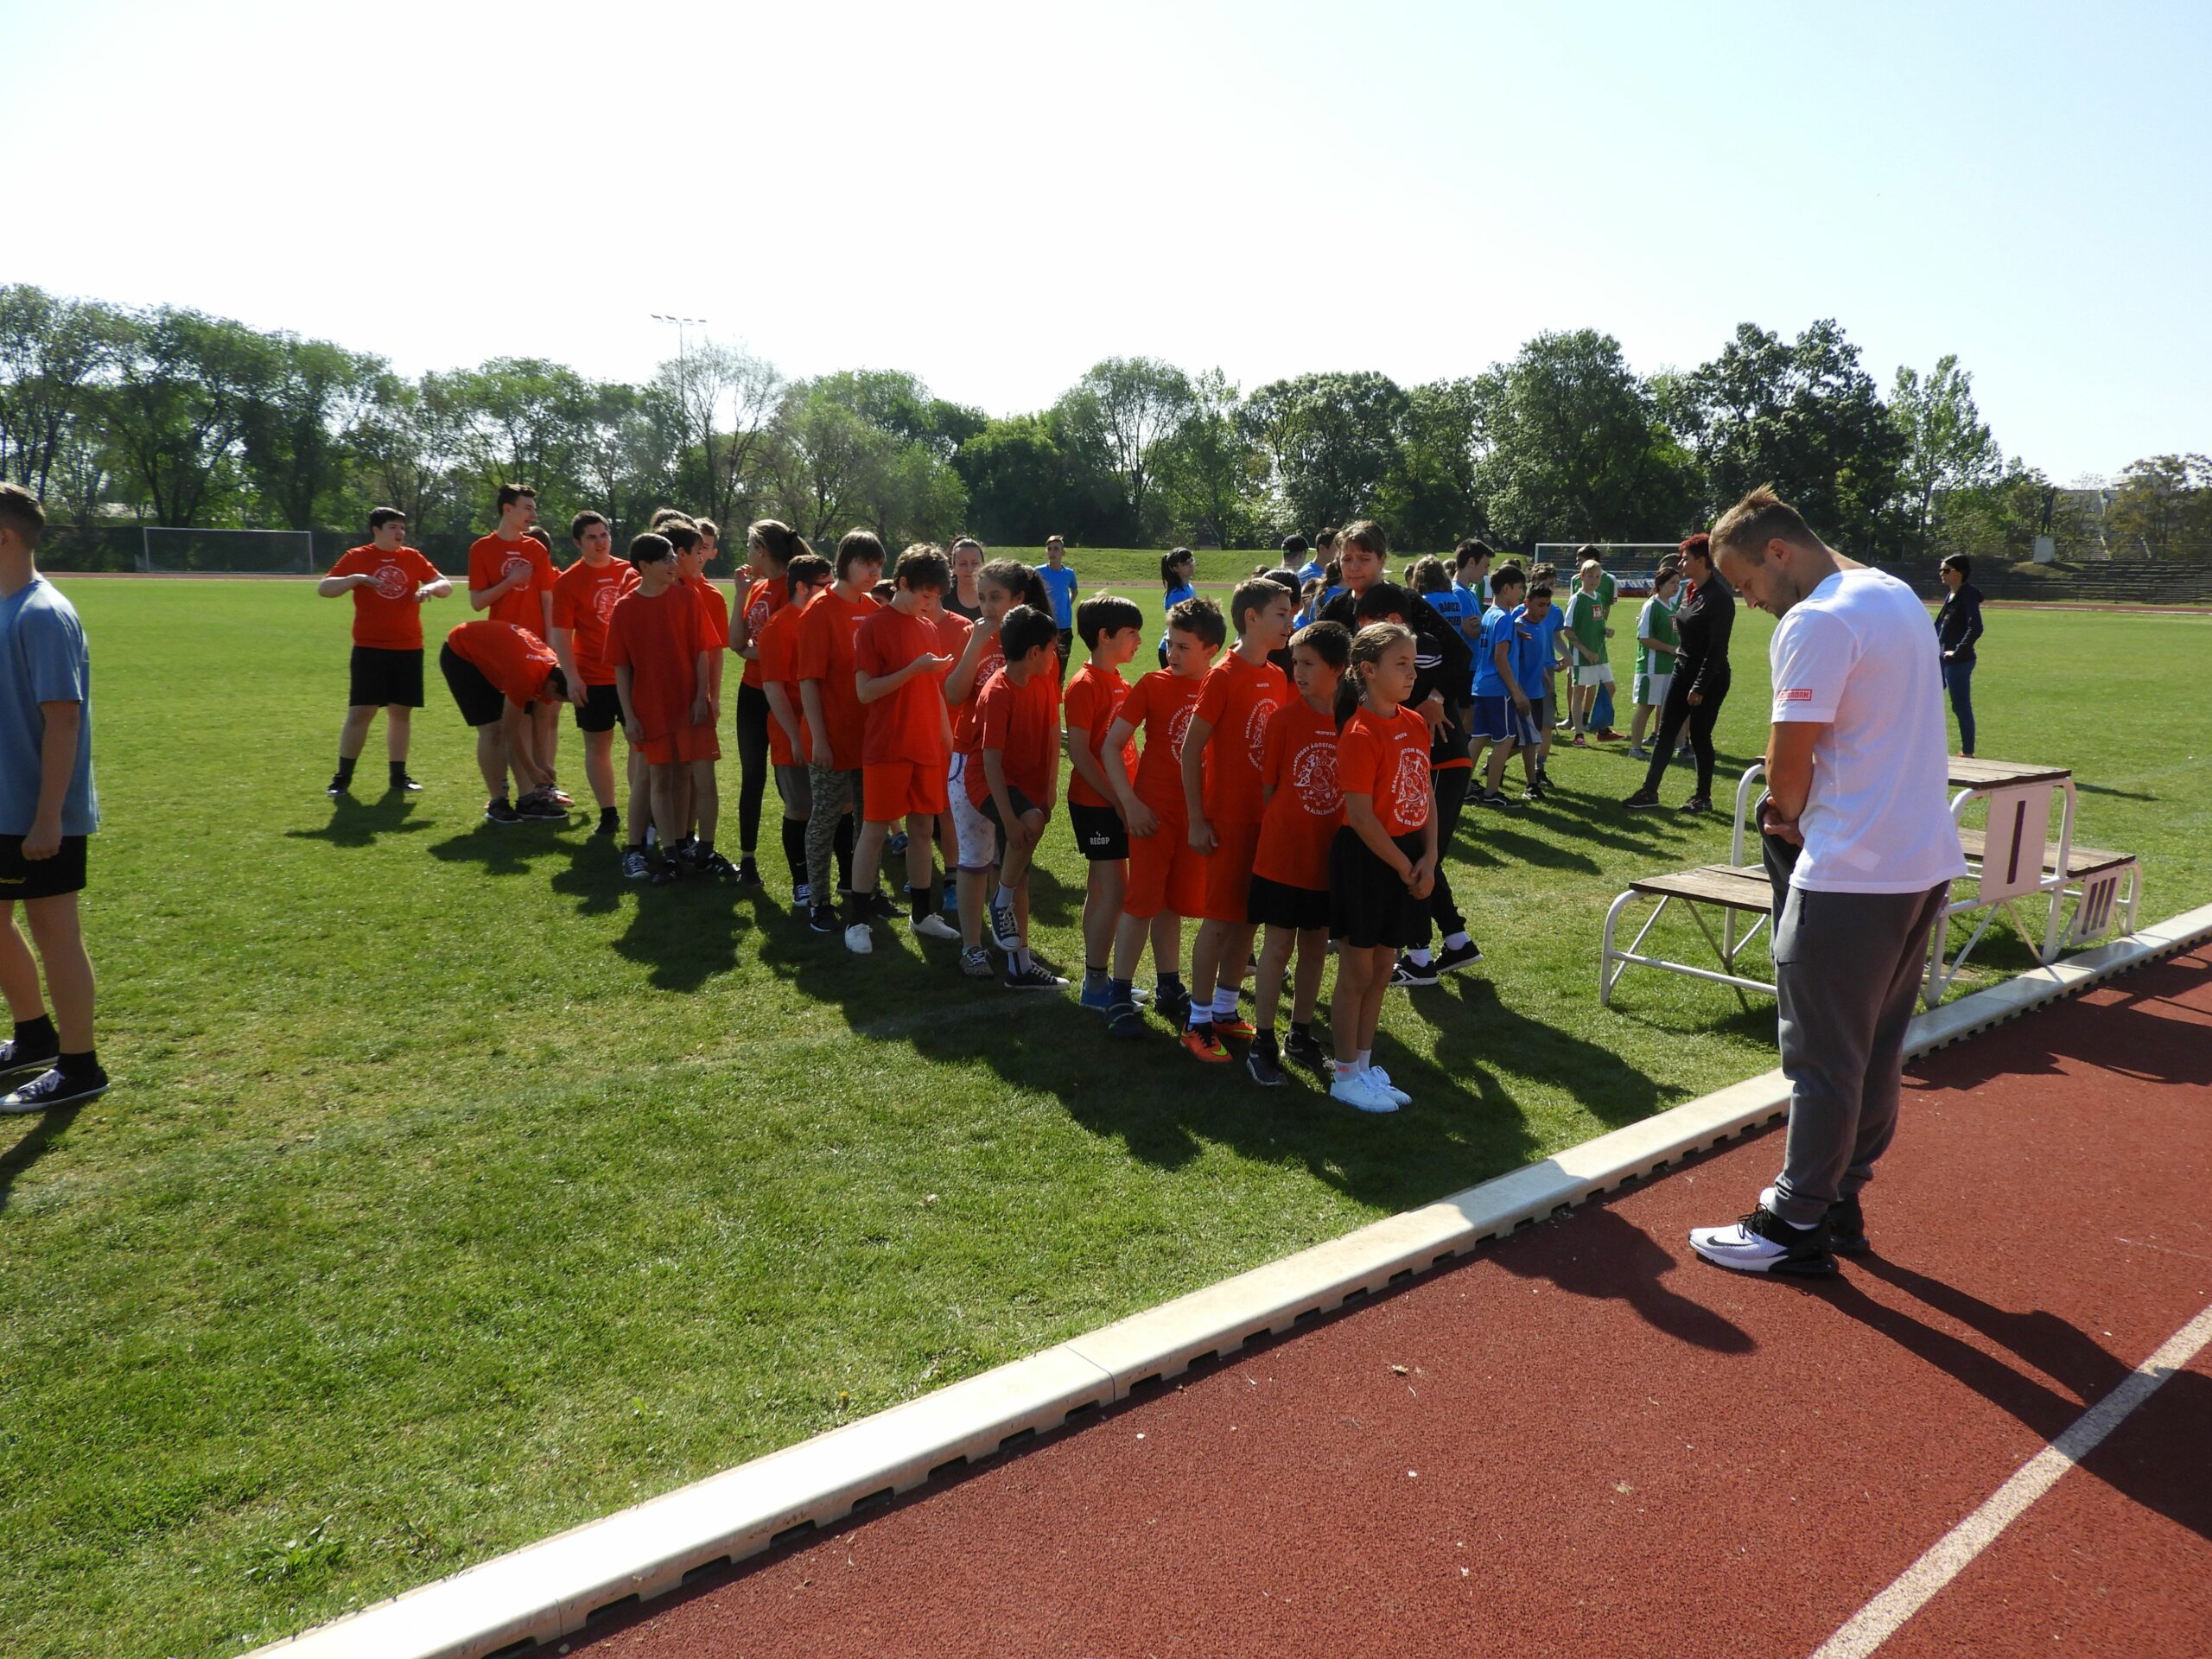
column 1733, row 890
column 1732, row 886
column 2081, row 861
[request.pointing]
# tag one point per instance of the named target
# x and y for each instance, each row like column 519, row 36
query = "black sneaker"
column 1453, row 957
column 1125, row 1019
column 721, row 868
column 538, row 807
column 1644, row 800
column 1032, row 978
column 50, row 1089
column 666, row 874
column 1535, row 793
column 25, row 1057
column 1847, row 1227
column 1305, row 1049
column 823, row 918
column 1173, row 1007
column 1762, row 1243
column 406, row 785
column 1261, row 1061
column 610, row 823
column 1696, row 804
column 499, row 812
column 999, row 918
column 1500, row 799
column 1410, row 974
column 338, row 787
column 748, row 873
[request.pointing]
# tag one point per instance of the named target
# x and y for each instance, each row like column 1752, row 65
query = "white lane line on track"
column 1879, row 1619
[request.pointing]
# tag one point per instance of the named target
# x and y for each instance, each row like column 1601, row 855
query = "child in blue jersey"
column 1177, row 567
column 1058, row 577
column 1502, row 718
column 1543, row 697
column 1470, row 579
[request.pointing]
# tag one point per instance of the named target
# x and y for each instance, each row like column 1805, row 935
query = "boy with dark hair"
column 1018, row 721
column 1289, row 895
column 1470, row 575
column 1502, row 718
column 48, row 810
column 499, row 673
column 702, row 791
column 584, row 596
column 1223, row 803
column 658, row 647
column 777, row 659
column 836, row 723
column 1112, row 631
column 1166, row 874
column 1657, row 646
column 389, row 581
column 1586, row 637
column 899, row 671
column 511, row 579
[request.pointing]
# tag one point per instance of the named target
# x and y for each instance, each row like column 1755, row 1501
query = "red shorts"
column 1229, row 871
column 689, row 743
column 891, row 790
column 1165, row 873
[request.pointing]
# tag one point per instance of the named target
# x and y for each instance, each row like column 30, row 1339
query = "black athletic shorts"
column 1099, row 831
column 602, row 709
column 40, row 878
column 988, row 807
column 481, row 701
column 1275, row 904
column 380, row 677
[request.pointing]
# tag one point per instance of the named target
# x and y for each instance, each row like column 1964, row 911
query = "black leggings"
column 753, row 763
column 1451, row 797
column 1676, row 715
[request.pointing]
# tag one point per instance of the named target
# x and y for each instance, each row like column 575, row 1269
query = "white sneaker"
column 1381, row 1079
column 859, row 940
column 1762, row 1243
column 933, row 927
column 1358, row 1091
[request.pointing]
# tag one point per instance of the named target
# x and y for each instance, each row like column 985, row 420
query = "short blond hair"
column 1760, row 518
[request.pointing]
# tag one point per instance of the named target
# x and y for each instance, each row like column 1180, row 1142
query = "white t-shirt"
column 1856, row 655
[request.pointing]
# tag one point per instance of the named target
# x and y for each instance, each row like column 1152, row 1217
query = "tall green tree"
column 1429, row 499
column 1130, row 409
column 1330, row 440
column 2162, row 509
column 1947, row 446
column 721, row 400
column 187, row 387
column 1213, row 482
column 523, row 421
column 54, row 355
column 298, row 433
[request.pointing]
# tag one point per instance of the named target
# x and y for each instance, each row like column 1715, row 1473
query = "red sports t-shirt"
column 658, row 640
column 583, row 598
column 779, row 664
column 490, row 558
column 1093, row 698
column 1235, row 700
column 1388, row 761
column 1303, row 813
column 910, row 723
column 714, row 612
column 514, row 659
column 826, row 633
column 1023, row 723
column 762, row 601
column 386, row 614
column 988, row 661
column 1160, row 705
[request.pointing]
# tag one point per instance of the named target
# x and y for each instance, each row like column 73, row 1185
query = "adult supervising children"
column 1058, row 577
column 389, row 582
column 1859, row 842
column 1703, row 622
column 48, row 812
column 1958, row 625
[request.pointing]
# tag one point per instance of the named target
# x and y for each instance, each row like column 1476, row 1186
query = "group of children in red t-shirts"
column 1281, row 794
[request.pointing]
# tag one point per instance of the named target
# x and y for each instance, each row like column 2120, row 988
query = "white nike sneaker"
column 859, row 940
column 1762, row 1243
column 1382, row 1080
column 933, row 927
column 1358, row 1091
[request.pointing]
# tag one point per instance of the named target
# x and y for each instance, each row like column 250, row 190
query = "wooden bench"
column 1734, row 890
column 2105, row 884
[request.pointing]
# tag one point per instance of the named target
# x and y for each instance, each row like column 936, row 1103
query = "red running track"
column 1585, row 1441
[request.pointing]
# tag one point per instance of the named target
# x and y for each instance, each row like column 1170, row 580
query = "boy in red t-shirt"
column 497, row 672
column 1018, row 728
column 1001, row 585
column 1290, row 893
column 511, row 579
column 1222, row 804
column 898, row 670
column 836, row 724
column 775, row 648
column 656, row 645
column 389, row 581
column 1166, row 877
column 584, row 596
column 702, row 791
column 1112, row 631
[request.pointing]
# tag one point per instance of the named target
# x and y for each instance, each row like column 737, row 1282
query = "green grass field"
column 452, row 1190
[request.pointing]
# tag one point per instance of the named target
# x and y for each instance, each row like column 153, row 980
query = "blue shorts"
column 1498, row 720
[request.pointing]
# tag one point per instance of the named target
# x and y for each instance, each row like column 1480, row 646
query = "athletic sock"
column 920, row 901
column 36, row 1033
column 1360, row 1058
column 1302, row 1028
column 795, row 849
column 1120, row 990
column 1418, row 957
column 1457, row 941
column 1006, row 896
column 344, row 770
column 77, row 1067
column 1021, row 955
column 638, row 848
column 398, row 772
column 1225, row 1003
column 844, row 850
column 609, row 820
column 1201, row 1018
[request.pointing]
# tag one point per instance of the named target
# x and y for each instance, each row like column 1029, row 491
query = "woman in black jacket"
column 1703, row 622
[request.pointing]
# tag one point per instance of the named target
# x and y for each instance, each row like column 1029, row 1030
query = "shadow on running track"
column 1595, row 1253
column 2126, row 1038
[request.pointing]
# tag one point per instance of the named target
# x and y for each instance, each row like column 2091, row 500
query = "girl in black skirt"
column 1383, row 864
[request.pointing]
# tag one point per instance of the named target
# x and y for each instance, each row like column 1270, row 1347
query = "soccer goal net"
column 1630, row 563
column 226, row 552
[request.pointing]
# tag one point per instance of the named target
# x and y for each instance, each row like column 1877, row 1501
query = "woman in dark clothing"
column 1705, row 619
column 1958, row 624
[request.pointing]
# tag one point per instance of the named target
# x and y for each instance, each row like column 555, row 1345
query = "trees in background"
column 168, row 415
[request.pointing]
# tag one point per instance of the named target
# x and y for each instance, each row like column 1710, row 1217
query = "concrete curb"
column 549, row 1590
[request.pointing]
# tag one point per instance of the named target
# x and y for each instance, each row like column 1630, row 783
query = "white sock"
column 1201, row 1014
column 1225, row 1003
column 1360, row 1058
column 1418, row 957
column 1006, row 895
column 1021, row 955
column 1452, row 941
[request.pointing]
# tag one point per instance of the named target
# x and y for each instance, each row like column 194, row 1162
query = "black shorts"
column 602, row 709
column 481, row 701
column 380, row 677
column 1099, row 831
column 40, row 878
column 988, row 807
column 1368, row 905
column 1273, row 904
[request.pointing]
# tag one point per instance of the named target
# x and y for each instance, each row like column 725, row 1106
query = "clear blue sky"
column 996, row 196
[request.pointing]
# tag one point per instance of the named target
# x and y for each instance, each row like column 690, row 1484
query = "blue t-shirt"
column 1312, row 571
column 1450, row 604
column 1533, row 648
column 42, row 659
column 1060, row 584
column 1554, row 620
column 1489, row 683
column 1176, row 596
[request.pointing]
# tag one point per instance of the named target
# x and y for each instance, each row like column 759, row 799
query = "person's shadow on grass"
column 34, row 1145
column 363, row 823
column 684, row 934
column 1474, row 1028
column 501, row 848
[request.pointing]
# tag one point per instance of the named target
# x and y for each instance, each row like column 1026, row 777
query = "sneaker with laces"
column 1696, row 804
column 1847, row 1227
column 932, row 926
column 719, row 867
column 1409, row 974
column 1034, row 977
column 823, row 918
column 538, row 807
column 1097, row 993
column 1262, row 1064
column 666, row 874
column 1579, row 742
column 1608, row 735
column 406, row 785
column 51, row 1089
column 802, row 899
column 1232, row 1025
column 1006, row 932
column 859, row 940
column 1453, row 957
column 1381, row 1079
column 1640, row 750
column 1644, row 800
column 1762, row 1243
column 748, row 872
column 338, row 787
column 17, row 1056
column 1357, row 1089
column 1125, row 1019
column 1500, row 799
column 1303, row 1048
column 1200, row 1043
column 634, row 867
column 975, row 962
column 499, row 812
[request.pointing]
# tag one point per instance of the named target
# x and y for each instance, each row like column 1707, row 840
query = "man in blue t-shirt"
column 48, row 809
column 1059, row 582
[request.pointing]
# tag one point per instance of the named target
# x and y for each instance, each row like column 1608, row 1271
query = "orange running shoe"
column 1235, row 1026
column 1203, row 1045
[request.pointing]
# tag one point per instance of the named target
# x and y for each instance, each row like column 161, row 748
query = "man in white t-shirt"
column 1862, row 851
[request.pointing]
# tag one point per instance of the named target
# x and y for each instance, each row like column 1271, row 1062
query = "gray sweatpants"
column 1848, row 968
